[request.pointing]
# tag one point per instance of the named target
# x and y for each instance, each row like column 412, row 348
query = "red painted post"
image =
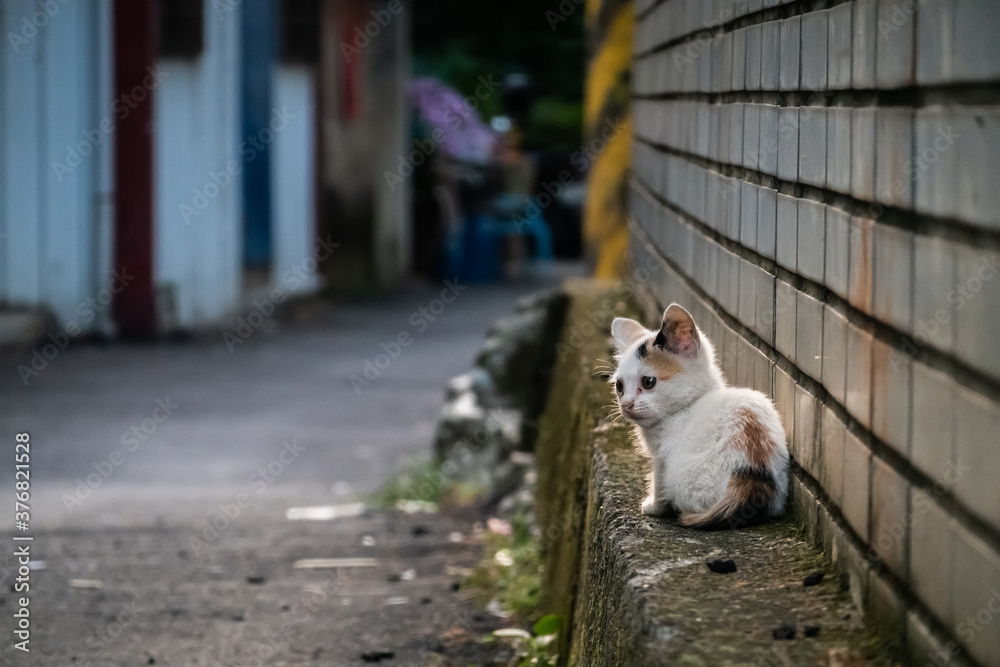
column 134, row 307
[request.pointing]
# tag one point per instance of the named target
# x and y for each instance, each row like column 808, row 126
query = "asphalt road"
column 137, row 448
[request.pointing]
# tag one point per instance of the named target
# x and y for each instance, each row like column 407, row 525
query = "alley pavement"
column 162, row 474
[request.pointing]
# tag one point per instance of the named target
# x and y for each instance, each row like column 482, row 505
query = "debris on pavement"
column 377, row 656
column 320, row 563
column 722, row 566
column 325, row 512
column 812, row 578
column 498, row 526
column 417, row 507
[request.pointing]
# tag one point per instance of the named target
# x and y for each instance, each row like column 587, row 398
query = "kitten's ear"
column 626, row 332
column 678, row 333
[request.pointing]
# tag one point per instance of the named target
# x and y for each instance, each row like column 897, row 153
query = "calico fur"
column 719, row 456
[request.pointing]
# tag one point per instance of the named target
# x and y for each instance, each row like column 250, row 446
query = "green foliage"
column 422, row 485
column 421, row 479
column 554, row 122
column 548, row 625
column 461, row 42
column 504, row 36
column 534, row 648
column 511, row 571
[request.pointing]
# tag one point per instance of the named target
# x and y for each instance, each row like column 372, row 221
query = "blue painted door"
column 258, row 47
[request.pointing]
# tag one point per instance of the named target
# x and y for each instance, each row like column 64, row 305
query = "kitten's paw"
column 650, row 507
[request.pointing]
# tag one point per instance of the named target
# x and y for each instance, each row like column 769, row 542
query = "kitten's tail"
column 747, row 501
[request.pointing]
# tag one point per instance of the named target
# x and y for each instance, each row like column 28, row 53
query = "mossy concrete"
column 635, row 590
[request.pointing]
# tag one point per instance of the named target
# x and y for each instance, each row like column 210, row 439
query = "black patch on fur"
column 756, row 510
column 641, row 351
column 756, row 474
column 661, row 340
column 783, row 632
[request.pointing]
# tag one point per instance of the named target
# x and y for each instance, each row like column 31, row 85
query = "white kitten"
column 719, row 453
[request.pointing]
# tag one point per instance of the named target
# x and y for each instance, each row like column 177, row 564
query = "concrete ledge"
column 634, row 590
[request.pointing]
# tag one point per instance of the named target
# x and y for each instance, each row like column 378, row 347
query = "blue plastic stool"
column 480, row 257
column 511, row 217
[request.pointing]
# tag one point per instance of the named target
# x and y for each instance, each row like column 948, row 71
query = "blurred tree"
column 464, row 43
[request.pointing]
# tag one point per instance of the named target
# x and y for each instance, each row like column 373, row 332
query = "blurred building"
column 163, row 163
column 365, row 64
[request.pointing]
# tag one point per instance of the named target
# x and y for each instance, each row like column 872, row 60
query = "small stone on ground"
column 721, row 566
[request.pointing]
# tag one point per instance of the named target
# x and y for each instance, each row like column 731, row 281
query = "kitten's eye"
column 648, row 382
column 619, row 387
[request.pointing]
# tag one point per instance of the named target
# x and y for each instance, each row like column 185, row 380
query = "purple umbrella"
column 463, row 135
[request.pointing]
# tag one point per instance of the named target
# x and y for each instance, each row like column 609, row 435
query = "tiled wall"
column 821, row 182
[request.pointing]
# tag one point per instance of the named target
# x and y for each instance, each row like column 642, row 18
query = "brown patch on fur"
column 754, row 439
column 748, row 497
column 665, row 365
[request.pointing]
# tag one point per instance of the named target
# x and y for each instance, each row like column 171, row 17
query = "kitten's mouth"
column 633, row 414
column 639, row 418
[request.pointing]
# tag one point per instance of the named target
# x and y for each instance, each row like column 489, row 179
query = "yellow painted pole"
column 608, row 133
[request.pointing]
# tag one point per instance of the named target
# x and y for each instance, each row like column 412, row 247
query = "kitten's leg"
column 656, row 503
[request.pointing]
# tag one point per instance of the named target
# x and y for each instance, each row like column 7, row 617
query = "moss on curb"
column 635, row 590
